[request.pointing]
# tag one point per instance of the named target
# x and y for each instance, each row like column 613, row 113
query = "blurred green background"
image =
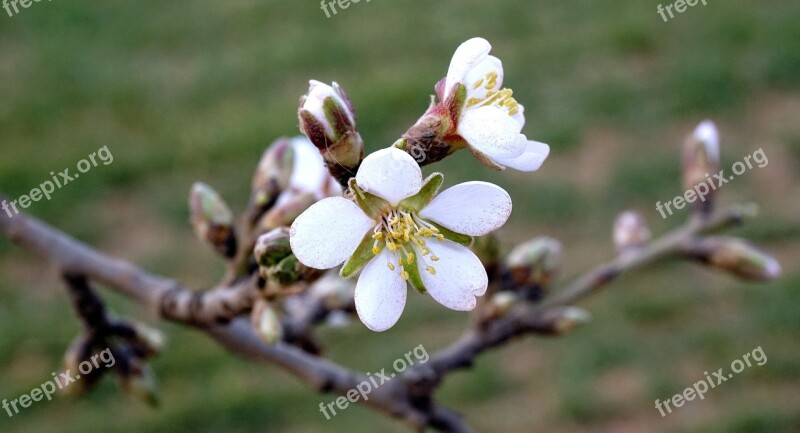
column 182, row 91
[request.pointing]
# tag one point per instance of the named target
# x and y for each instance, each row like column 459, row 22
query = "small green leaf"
column 453, row 236
column 414, row 278
column 428, row 191
column 372, row 205
column 360, row 257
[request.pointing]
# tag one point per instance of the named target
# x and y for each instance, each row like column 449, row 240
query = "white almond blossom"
column 398, row 231
column 491, row 119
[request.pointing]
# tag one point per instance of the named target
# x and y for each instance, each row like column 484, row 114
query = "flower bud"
column 737, row 257
column 284, row 214
column 701, row 160
column 336, row 292
column 79, row 350
column 272, row 174
column 273, row 247
column 150, row 338
column 530, row 267
column 630, row 231
column 328, row 119
column 140, row 382
column 212, row 219
column 501, row 303
column 569, row 319
column 289, row 271
column 267, row 322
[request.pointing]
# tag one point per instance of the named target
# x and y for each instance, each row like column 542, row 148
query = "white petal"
column 328, row 232
column 519, row 116
column 380, row 294
column 391, row 174
column 467, row 56
column 471, row 208
column 493, row 132
column 531, row 159
column 460, row 276
column 476, row 82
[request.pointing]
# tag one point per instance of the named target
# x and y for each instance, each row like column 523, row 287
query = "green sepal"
column 455, row 102
column 371, row 204
column 414, row 277
column 335, row 115
column 428, row 191
column 360, row 257
column 458, row 238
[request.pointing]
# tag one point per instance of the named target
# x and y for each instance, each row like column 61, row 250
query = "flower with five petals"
column 486, row 115
column 397, row 231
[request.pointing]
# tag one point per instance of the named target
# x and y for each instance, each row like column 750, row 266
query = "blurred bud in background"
column 570, row 318
column 737, row 258
column 630, row 231
column 700, row 161
column 267, row 322
column 531, row 267
column 140, row 382
column 328, row 119
column 285, row 212
column 212, row 219
column 272, row 175
column 336, row 292
column 501, row 303
column 150, row 339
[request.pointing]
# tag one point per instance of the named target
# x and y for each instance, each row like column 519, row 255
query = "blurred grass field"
column 183, row 91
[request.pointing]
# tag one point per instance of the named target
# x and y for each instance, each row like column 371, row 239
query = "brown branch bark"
column 409, row 397
column 168, row 299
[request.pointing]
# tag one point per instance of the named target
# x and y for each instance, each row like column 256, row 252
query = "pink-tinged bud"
column 630, row 231
column 737, row 258
column 531, row 267
column 328, row 119
column 272, row 174
column 700, row 163
column 212, row 219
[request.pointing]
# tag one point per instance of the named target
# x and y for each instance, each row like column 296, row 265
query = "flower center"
column 404, row 234
column 502, row 98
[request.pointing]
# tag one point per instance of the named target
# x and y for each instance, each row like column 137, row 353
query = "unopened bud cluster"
column 328, row 119
column 212, row 219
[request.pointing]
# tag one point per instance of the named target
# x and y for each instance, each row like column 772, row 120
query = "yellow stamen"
column 391, row 266
column 431, row 270
column 404, row 275
column 410, row 258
